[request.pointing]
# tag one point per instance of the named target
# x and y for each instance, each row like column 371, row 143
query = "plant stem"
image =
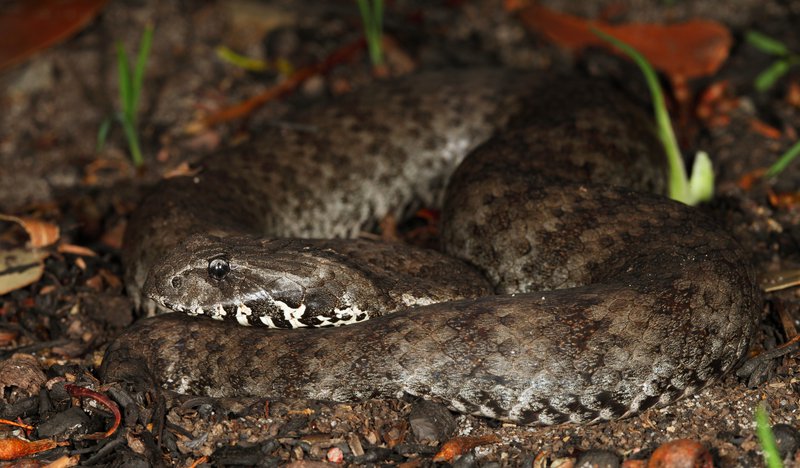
column 678, row 179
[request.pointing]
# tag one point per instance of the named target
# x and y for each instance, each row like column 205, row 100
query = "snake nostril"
column 176, row 282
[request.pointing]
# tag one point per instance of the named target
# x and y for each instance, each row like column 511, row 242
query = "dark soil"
column 51, row 108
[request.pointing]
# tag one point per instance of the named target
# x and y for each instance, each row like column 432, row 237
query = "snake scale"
column 607, row 299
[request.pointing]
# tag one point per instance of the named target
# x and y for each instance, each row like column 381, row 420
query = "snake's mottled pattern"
column 609, row 300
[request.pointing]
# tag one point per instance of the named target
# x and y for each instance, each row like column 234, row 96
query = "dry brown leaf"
column 64, row 462
column 747, row 181
column 793, row 94
column 22, row 371
column 764, row 129
column 104, row 169
column 20, row 267
column 81, row 263
column 12, row 448
column 76, row 250
column 783, row 200
column 31, row 25
column 181, row 170
column 682, row 50
column 113, row 237
column 41, row 233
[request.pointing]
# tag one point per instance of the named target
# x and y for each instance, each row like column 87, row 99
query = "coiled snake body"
column 609, row 300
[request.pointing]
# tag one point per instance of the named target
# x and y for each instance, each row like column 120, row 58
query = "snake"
column 568, row 288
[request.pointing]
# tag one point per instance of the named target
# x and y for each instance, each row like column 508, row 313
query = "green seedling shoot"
column 372, row 17
column 771, row 456
column 130, row 87
column 786, row 59
column 698, row 188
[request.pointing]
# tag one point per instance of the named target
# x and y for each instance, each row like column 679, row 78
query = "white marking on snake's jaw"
column 195, row 311
column 349, row 316
column 243, row 314
column 218, row 313
column 458, row 406
column 292, row 315
column 267, row 321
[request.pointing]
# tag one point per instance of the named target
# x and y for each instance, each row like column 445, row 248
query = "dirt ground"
column 52, row 105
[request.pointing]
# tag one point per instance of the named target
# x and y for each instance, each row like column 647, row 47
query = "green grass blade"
column 784, row 160
column 767, row 439
column 378, row 16
column 766, row 44
column 372, row 18
column 141, row 64
column 773, row 73
column 678, row 181
column 133, row 141
column 124, row 78
column 102, row 134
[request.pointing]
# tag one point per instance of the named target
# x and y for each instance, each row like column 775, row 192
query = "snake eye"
column 218, row 268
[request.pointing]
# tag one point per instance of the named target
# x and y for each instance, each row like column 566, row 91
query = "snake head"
column 279, row 283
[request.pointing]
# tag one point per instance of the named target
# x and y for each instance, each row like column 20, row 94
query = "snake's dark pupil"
column 218, row 268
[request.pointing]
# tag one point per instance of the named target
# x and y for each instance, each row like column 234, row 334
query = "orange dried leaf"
column 793, row 94
column 692, row 49
column 13, row 447
column 64, row 462
column 765, row 129
column 199, row 461
column 41, row 233
column 32, row 25
column 458, row 446
column 181, row 170
column 113, row 237
column 784, row 200
column 747, row 181
column 244, row 108
column 76, row 250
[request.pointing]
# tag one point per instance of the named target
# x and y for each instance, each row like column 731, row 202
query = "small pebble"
column 431, row 421
column 335, row 455
column 64, row 424
column 681, row 453
column 596, row 458
column 786, row 438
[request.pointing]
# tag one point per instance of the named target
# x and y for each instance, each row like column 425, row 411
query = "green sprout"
column 227, row 55
column 771, row 456
column 372, row 17
column 691, row 191
column 130, row 87
column 784, row 160
column 786, row 59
